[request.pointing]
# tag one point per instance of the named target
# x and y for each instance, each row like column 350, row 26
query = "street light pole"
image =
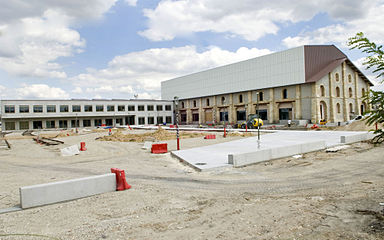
column 176, row 99
column 258, row 117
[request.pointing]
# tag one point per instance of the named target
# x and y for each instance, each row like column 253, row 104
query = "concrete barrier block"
column 43, row 194
column 355, row 138
column 285, row 151
column 244, row 159
column 312, row 146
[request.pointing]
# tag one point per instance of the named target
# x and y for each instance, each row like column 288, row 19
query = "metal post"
column 258, row 116
column 177, row 121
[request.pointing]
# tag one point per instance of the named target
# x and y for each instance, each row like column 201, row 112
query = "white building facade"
column 62, row 114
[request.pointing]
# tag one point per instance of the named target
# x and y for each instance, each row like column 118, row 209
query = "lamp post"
column 258, row 117
column 176, row 99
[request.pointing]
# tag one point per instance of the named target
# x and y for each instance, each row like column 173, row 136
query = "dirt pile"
column 242, row 134
column 158, row 135
column 357, row 126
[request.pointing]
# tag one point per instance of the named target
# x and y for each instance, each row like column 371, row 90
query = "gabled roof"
column 322, row 59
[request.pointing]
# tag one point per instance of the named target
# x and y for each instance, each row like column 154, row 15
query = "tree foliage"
column 375, row 62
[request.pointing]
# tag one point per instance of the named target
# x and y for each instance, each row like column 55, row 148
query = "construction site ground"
column 319, row 196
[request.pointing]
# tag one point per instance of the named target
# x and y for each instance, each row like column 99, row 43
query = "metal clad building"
column 276, row 69
column 311, row 83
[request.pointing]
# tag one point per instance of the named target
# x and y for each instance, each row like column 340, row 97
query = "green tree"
column 374, row 62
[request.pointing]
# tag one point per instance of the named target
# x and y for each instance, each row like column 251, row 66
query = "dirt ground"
column 319, row 196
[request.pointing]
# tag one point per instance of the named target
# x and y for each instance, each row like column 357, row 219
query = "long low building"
column 51, row 114
column 310, row 83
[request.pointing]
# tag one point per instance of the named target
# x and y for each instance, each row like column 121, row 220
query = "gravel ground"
column 319, row 196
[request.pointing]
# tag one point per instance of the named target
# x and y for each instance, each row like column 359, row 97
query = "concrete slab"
column 216, row 156
column 43, row 194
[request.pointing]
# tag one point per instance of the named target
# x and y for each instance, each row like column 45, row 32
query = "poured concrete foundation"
column 273, row 145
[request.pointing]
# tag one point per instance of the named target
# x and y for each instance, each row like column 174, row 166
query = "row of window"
column 86, row 108
column 24, row 125
column 223, row 99
column 337, row 78
column 350, row 91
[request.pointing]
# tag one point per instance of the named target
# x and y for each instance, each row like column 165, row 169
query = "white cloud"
column 77, row 90
column 131, row 2
column 34, row 34
column 245, row 18
column 40, row 91
column 370, row 23
column 141, row 72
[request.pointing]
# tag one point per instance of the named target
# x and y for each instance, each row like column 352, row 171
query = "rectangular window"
column 263, row 113
column 131, row 107
column 88, row 108
column 86, row 123
column 151, row 120
column 141, row 120
column 141, row 108
column 76, row 108
column 223, row 116
column 99, row 108
column 150, row 108
column 64, row 108
column 159, row 107
column 37, row 124
column 241, row 115
column 9, row 108
column 37, row 108
column 168, row 119
column 23, row 125
column 24, row 109
column 63, row 124
column 98, row 122
column 10, row 126
column 50, row 124
column 168, row 108
column 51, row 108
column 75, row 123
column 195, row 117
column 111, row 108
column 285, row 113
column 183, row 117
column 109, row 122
column 121, row 108
column 160, row 120
column 119, row 121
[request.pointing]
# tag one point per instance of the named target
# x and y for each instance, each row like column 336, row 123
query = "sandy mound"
column 158, row 135
column 357, row 126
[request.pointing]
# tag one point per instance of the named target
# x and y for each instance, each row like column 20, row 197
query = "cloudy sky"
column 118, row 48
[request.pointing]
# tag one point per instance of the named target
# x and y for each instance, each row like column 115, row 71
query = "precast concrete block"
column 312, row 146
column 355, row 138
column 48, row 193
column 244, row 159
column 285, row 151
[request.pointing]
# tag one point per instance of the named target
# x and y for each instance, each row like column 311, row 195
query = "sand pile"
column 357, row 126
column 158, row 135
column 242, row 134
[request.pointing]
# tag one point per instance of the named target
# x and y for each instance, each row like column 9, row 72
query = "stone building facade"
column 330, row 87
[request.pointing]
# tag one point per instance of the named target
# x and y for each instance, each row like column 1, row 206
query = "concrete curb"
column 43, row 194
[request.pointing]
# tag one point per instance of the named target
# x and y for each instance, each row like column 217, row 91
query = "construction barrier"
column 171, row 126
column 82, row 146
column 210, row 137
column 159, row 148
column 121, row 181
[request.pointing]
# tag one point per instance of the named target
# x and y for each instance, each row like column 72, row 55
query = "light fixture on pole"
column 176, row 99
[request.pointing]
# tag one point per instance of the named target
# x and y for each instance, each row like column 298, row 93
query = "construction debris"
column 48, row 141
column 337, row 148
